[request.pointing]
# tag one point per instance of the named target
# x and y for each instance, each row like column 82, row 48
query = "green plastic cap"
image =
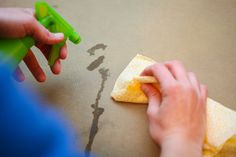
column 74, row 37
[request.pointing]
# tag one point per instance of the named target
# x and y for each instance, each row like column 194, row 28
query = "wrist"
column 180, row 146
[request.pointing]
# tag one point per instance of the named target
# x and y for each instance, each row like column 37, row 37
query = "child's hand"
column 18, row 23
column 177, row 114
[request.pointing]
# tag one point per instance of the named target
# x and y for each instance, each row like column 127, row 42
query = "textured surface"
column 201, row 33
column 126, row 88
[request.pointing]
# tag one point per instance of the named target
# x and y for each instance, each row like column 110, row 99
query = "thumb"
column 42, row 35
column 154, row 99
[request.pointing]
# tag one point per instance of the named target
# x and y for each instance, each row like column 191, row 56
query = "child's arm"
column 18, row 23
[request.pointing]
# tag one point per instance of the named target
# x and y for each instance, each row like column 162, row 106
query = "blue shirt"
column 29, row 127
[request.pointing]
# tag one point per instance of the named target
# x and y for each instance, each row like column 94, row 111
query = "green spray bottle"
column 12, row 51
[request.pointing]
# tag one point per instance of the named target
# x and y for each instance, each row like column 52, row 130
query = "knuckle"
column 31, row 20
column 191, row 93
column 174, row 87
column 45, row 36
column 189, row 89
column 151, row 115
column 30, row 24
column 177, row 88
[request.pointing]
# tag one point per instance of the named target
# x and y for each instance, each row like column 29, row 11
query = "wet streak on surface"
column 97, row 112
column 95, row 63
column 96, row 47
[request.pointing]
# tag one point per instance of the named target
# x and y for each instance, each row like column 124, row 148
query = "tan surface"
column 221, row 121
column 201, row 33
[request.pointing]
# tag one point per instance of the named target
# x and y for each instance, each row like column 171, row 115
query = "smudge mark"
column 96, row 47
column 97, row 112
column 96, row 63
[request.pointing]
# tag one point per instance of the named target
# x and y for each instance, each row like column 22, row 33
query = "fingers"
column 42, row 35
column 169, row 72
column 18, row 75
column 200, row 89
column 46, row 49
column 44, row 38
column 34, row 67
column 177, row 70
column 63, row 52
column 56, row 68
column 161, row 73
column 154, row 99
column 194, row 82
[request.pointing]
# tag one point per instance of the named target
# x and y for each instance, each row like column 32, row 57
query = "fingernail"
column 59, row 35
column 41, row 78
column 21, row 78
column 56, row 67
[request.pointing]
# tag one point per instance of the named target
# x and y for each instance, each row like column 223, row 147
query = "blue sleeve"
column 28, row 127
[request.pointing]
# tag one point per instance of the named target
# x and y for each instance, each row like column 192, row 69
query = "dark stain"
column 95, row 63
column 97, row 112
column 94, row 48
